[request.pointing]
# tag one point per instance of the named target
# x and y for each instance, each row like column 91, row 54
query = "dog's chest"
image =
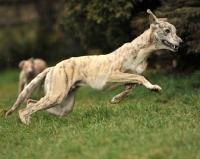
column 132, row 66
column 137, row 64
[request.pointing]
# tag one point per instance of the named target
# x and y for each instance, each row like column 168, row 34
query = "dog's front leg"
column 125, row 93
column 132, row 78
column 21, row 87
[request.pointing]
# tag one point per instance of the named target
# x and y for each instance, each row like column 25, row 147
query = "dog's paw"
column 114, row 100
column 9, row 112
column 156, row 88
column 24, row 118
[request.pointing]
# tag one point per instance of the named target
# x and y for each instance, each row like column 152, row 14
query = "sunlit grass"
column 145, row 125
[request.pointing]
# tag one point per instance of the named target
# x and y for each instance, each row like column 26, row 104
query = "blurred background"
column 58, row 29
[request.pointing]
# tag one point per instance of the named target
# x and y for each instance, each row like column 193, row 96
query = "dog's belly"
column 111, row 86
column 99, row 83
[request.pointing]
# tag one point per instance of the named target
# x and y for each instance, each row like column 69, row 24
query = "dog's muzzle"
column 170, row 45
column 30, row 74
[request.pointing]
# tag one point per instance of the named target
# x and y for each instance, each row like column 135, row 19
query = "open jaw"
column 170, row 45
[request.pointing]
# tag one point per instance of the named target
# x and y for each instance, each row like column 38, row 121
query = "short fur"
column 30, row 69
column 101, row 72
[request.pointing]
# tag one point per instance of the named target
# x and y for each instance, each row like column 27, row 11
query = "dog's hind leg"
column 44, row 103
column 66, row 106
column 125, row 93
column 57, row 93
column 61, row 110
column 30, row 102
column 38, row 89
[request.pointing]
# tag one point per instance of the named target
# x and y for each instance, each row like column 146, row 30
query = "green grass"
column 146, row 125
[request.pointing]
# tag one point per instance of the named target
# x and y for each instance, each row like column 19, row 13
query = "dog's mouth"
column 170, row 45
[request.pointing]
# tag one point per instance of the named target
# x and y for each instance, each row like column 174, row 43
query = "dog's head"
column 28, row 67
column 164, row 33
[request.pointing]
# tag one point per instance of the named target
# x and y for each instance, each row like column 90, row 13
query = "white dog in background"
column 30, row 69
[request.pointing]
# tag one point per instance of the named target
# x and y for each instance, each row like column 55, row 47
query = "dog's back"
column 39, row 66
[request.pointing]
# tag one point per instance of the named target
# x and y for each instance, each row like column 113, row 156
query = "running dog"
column 101, row 72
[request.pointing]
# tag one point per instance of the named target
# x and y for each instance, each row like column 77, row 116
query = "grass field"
column 146, row 125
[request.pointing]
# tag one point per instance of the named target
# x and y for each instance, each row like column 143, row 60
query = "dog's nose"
column 30, row 73
column 181, row 43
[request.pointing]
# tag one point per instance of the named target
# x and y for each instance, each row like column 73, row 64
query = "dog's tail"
column 29, row 88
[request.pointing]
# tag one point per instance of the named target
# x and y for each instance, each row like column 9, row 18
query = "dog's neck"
column 143, row 46
column 139, row 49
column 144, row 41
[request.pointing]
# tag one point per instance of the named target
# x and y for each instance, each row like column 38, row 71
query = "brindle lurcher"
column 103, row 72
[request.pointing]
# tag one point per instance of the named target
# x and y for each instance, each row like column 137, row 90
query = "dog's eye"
column 167, row 31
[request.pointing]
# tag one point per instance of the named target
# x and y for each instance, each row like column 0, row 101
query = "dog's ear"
column 152, row 17
column 31, row 59
column 21, row 64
